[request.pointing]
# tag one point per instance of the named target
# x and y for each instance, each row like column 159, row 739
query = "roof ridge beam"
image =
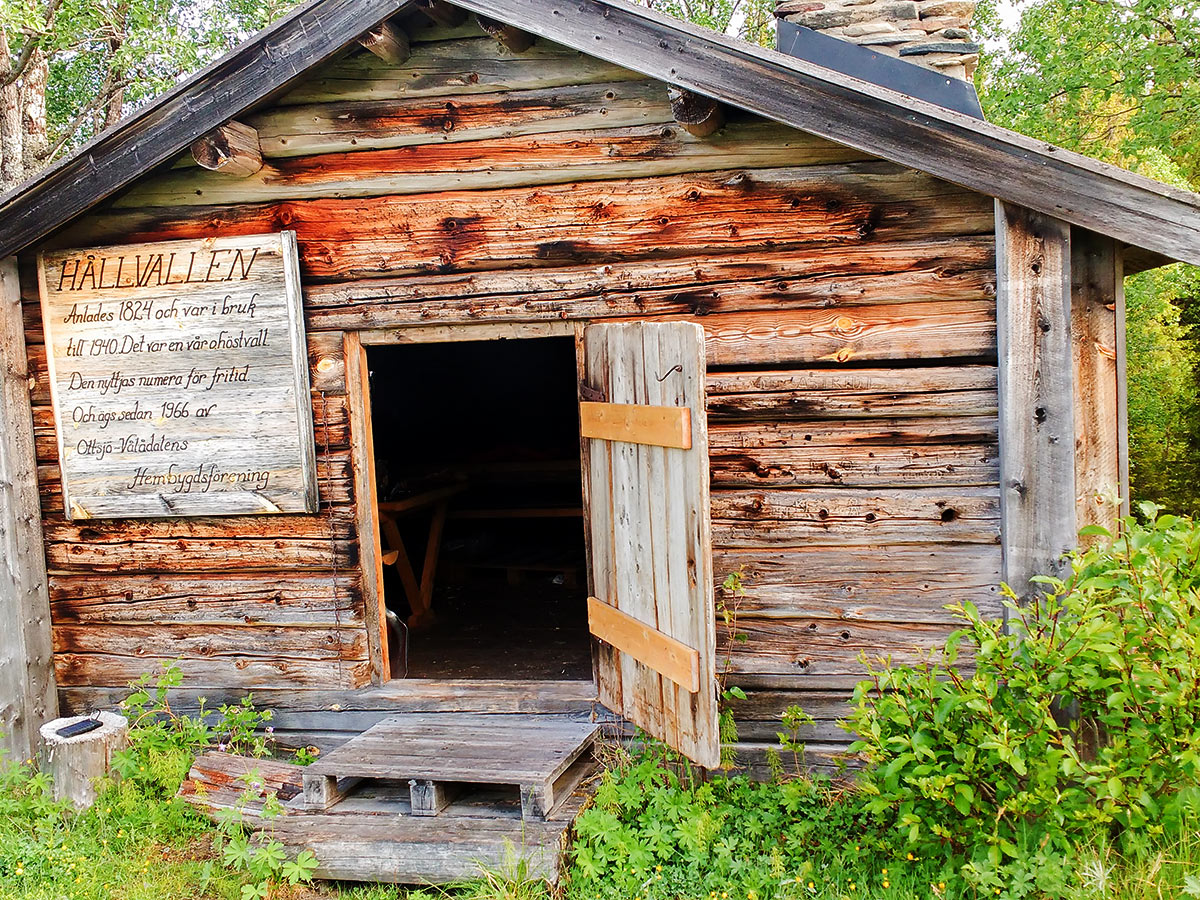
column 949, row 145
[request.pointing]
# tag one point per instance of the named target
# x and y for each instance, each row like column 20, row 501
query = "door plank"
column 651, row 541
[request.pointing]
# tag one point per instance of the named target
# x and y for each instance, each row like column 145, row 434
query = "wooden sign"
column 179, row 373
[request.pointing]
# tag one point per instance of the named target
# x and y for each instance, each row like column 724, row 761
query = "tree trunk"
column 76, row 762
column 33, row 113
column 12, row 166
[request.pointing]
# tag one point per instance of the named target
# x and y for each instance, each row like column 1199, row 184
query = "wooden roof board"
column 795, row 92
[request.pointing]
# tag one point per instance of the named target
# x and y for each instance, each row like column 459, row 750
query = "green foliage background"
column 1120, row 80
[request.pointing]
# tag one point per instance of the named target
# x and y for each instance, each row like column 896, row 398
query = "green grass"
column 136, row 844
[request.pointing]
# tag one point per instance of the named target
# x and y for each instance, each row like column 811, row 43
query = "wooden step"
column 372, row 835
column 438, row 753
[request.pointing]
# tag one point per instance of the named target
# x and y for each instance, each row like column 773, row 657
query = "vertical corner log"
column 441, row 13
column 28, row 695
column 509, row 36
column 74, row 763
column 232, row 149
column 698, row 114
column 1101, row 449
column 388, row 41
column 1036, row 394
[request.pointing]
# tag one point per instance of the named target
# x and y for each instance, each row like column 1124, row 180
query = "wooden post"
column 232, row 149
column 76, row 762
column 366, row 503
column 1037, row 395
column 1097, row 302
column 27, row 690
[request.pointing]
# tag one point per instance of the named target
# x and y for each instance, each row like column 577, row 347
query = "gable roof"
column 796, row 92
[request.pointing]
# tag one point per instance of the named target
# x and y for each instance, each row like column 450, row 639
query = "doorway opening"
column 478, row 479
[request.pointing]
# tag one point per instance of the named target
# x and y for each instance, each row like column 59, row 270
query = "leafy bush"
column 1083, row 715
column 656, row 829
column 162, row 743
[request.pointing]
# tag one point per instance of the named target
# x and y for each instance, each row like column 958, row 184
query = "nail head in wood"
column 388, row 41
column 232, row 149
column 509, row 36
column 698, row 114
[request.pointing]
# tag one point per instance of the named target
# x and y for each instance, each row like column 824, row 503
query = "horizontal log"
column 851, row 334
column 833, row 759
column 851, row 393
column 465, row 66
column 896, row 583
column 754, row 519
column 274, row 598
column 767, row 705
column 331, row 709
column 760, row 716
column 244, row 673
column 212, row 554
column 822, row 731
column 835, row 434
column 337, row 522
column 856, row 453
column 931, row 466
column 740, row 211
column 823, row 276
column 366, row 125
column 822, row 647
column 642, row 151
column 210, row 641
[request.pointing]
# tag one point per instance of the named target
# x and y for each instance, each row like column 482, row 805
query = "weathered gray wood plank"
column 27, row 687
column 1037, row 394
column 650, row 529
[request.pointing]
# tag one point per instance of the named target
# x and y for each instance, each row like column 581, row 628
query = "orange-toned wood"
column 647, row 645
column 635, row 423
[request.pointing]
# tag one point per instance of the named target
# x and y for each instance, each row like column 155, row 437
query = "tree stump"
column 75, row 762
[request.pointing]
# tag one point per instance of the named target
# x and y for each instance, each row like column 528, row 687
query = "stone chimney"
column 931, row 33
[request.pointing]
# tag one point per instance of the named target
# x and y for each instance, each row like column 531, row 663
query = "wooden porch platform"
column 420, row 799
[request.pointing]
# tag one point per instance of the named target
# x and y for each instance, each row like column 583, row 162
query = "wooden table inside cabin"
column 420, row 594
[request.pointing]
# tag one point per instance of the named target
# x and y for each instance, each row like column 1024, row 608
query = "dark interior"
column 486, row 434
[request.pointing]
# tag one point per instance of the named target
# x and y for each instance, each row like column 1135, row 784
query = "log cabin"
column 427, row 370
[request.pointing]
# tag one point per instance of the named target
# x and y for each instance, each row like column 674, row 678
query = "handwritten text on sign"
column 180, row 378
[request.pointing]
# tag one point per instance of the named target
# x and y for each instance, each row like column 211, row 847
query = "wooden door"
column 646, row 460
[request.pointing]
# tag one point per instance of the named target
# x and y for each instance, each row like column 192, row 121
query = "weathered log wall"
column 849, row 306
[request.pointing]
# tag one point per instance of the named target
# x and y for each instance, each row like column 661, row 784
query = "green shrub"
column 656, row 829
column 1082, row 717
